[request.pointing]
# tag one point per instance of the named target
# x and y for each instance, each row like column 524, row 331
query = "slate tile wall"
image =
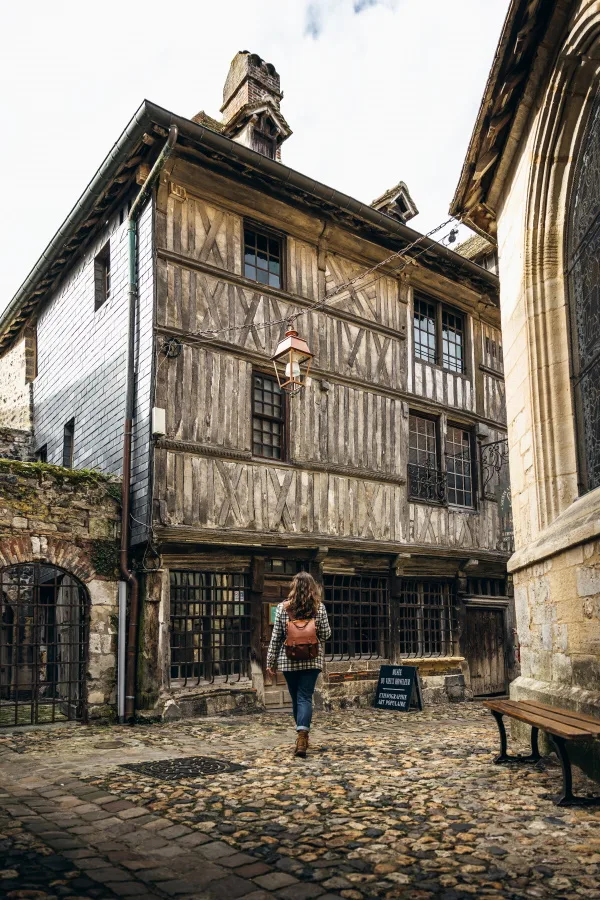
column 82, row 360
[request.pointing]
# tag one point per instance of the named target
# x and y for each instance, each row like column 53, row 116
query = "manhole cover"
column 182, row 767
column 109, row 745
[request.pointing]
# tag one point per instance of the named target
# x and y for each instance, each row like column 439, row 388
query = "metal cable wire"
column 319, row 304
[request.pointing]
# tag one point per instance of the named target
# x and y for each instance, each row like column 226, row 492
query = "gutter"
column 149, row 114
column 126, row 573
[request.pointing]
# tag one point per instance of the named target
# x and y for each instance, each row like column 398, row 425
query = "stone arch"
column 64, row 555
column 561, row 119
column 45, row 613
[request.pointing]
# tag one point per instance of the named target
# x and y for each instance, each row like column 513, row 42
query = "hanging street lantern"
column 292, row 361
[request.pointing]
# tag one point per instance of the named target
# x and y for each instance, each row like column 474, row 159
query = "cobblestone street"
column 387, row 805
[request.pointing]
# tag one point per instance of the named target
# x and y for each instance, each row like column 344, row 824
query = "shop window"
column 358, row 611
column 210, row 627
column 268, row 417
column 425, row 618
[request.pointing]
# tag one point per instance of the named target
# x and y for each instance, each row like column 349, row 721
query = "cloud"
column 365, row 114
column 361, row 5
column 314, row 22
column 320, row 14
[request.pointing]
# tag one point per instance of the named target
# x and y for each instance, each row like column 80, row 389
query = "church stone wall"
column 556, row 566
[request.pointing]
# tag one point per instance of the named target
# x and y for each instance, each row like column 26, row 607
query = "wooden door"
column 485, row 650
column 275, row 591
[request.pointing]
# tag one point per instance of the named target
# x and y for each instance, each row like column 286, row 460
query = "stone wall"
column 69, row 518
column 16, row 443
column 557, row 598
column 352, row 683
column 15, row 385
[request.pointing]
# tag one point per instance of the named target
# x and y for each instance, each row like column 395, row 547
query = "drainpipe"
column 128, row 576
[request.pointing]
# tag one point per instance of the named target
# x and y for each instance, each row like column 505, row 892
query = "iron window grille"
column 262, row 257
column 68, row 444
column 210, row 627
column 439, row 334
column 284, row 566
column 425, row 614
column 426, row 481
column 459, row 467
column 102, row 277
column 268, row 417
column 358, row 611
column 43, row 645
column 486, row 587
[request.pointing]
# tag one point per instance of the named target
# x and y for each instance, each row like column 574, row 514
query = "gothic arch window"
column 583, row 269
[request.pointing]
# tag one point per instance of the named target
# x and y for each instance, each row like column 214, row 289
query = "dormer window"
column 264, row 136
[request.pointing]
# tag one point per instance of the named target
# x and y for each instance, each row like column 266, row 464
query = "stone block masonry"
column 71, row 519
column 16, row 443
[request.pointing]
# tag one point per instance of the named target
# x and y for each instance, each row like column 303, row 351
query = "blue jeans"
column 301, row 686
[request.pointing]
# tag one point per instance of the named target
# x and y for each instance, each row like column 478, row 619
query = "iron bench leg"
column 566, row 797
column 504, row 758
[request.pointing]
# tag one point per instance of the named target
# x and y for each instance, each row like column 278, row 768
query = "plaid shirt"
column 277, row 658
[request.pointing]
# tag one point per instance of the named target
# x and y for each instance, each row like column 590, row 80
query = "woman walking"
column 296, row 649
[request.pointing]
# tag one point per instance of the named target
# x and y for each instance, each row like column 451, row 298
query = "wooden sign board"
column 398, row 687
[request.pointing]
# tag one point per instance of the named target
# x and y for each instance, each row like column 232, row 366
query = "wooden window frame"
column 441, row 307
column 426, row 628
column 102, row 277
column 284, row 420
column 68, row 453
column 271, row 234
column 472, row 461
column 413, row 497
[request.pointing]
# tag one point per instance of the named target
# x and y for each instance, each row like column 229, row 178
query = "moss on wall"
column 104, row 556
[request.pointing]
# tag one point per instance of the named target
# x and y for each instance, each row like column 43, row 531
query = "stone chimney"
column 251, row 105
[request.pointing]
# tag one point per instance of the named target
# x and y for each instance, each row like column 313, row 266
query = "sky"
column 375, row 91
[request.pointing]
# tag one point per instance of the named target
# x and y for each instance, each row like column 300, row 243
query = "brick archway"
column 65, row 555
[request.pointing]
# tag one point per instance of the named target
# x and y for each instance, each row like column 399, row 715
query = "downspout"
column 126, row 573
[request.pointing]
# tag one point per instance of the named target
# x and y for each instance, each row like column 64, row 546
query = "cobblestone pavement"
column 387, row 805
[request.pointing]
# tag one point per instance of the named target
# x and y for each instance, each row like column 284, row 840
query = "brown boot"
column 301, row 744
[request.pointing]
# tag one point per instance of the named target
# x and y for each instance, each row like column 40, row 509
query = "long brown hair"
column 304, row 597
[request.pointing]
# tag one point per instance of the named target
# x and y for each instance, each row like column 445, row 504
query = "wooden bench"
column 561, row 726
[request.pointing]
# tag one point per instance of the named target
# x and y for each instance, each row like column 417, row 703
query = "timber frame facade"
column 380, row 477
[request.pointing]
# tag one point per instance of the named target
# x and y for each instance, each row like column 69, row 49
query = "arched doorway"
column 583, row 262
column 43, row 645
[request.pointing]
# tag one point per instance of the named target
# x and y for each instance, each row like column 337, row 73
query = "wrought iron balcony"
column 426, row 483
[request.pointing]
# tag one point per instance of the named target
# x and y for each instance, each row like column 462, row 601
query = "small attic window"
column 102, row 277
column 264, row 137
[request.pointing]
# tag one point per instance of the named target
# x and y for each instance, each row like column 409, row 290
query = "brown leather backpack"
column 301, row 641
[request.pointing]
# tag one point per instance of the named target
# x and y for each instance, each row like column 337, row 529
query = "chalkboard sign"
column 397, row 687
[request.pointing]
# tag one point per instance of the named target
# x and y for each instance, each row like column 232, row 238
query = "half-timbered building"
column 383, row 476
